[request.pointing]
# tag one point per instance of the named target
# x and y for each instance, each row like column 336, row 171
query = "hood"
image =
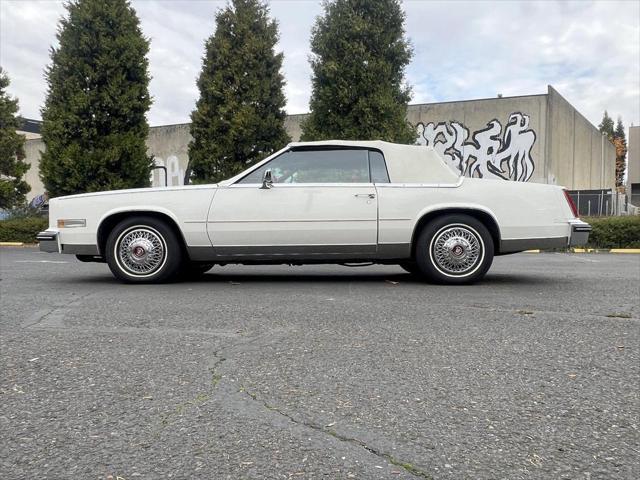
column 137, row 191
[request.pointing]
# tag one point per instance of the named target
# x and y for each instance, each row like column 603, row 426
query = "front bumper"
column 579, row 233
column 48, row 241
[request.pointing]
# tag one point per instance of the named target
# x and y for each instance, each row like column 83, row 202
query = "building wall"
column 32, row 149
column 490, row 138
column 578, row 155
column 633, row 166
column 535, row 138
column 169, row 145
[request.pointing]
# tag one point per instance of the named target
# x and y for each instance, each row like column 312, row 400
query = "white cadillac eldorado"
column 342, row 202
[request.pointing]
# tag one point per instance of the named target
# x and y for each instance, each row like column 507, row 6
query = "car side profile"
column 318, row 202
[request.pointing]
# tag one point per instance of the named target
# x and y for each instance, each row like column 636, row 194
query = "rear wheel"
column 454, row 249
column 143, row 250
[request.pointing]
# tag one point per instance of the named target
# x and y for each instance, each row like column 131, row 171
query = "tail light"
column 571, row 203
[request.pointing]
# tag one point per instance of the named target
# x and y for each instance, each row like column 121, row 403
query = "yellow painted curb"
column 624, row 250
column 11, row 244
column 532, row 251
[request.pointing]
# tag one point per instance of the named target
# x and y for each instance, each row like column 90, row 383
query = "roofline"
column 478, row 99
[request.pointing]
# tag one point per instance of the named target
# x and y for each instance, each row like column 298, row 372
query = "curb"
column 592, row 250
column 18, row 244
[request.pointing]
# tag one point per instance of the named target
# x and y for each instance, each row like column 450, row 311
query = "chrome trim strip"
column 80, row 249
column 305, row 185
column 372, row 220
column 46, row 236
column 300, row 253
column 292, row 249
column 521, row 244
column 420, row 185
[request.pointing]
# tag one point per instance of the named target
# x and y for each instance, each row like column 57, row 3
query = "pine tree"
column 94, row 123
column 606, row 125
column 359, row 54
column 620, row 142
column 239, row 117
column 12, row 166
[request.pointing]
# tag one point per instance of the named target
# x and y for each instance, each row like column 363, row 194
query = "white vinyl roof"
column 405, row 163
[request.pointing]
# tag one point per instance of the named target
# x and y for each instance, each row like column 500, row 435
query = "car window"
column 315, row 166
column 378, row 167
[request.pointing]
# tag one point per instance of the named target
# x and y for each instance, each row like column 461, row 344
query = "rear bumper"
column 48, row 241
column 579, row 233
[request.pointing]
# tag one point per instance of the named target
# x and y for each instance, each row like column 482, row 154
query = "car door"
column 321, row 201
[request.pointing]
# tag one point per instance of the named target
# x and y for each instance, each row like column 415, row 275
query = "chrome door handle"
column 368, row 195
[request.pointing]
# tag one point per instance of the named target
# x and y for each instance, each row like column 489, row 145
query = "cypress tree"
column 239, row 117
column 620, row 142
column 94, row 123
column 606, row 125
column 12, row 165
column 359, row 53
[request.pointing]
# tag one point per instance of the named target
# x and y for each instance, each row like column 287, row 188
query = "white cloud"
column 590, row 51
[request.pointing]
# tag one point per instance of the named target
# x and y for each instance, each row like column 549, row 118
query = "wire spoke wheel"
column 141, row 251
column 457, row 250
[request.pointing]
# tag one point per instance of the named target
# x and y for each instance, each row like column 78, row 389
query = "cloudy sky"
column 589, row 51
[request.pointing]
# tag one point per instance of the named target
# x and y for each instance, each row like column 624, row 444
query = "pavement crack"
column 406, row 466
column 202, row 397
column 53, row 318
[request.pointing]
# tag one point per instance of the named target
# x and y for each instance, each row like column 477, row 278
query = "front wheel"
column 143, row 250
column 454, row 249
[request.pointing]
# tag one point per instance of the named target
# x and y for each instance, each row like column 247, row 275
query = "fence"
column 594, row 203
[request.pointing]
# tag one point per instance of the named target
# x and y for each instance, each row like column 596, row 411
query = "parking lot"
column 321, row 372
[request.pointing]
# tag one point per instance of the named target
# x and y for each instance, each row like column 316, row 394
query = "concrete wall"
column 633, row 157
column 633, row 165
column 489, row 138
column 32, row 149
column 579, row 157
column 293, row 125
column 534, row 138
column 169, row 144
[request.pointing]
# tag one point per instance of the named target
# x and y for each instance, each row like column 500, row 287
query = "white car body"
column 240, row 222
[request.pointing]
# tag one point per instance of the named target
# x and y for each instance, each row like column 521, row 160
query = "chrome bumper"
column 579, row 233
column 48, row 242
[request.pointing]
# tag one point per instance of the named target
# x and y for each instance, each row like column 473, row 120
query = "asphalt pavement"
column 330, row 372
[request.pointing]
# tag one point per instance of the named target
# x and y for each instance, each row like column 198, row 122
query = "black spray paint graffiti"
column 489, row 152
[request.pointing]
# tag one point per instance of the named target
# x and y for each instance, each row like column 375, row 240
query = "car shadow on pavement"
column 307, row 277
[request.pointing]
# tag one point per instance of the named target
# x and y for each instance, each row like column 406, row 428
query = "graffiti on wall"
column 175, row 172
column 492, row 152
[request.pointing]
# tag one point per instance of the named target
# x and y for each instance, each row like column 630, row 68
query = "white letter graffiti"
column 175, row 174
column 489, row 153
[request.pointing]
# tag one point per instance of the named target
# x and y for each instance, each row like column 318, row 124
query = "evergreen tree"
column 12, row 166
column 620, row 142
column 359, row 54
column 239, row 117
column 94, row 124
column 606, row 125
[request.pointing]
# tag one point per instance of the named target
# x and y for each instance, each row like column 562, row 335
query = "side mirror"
column 267, row 180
